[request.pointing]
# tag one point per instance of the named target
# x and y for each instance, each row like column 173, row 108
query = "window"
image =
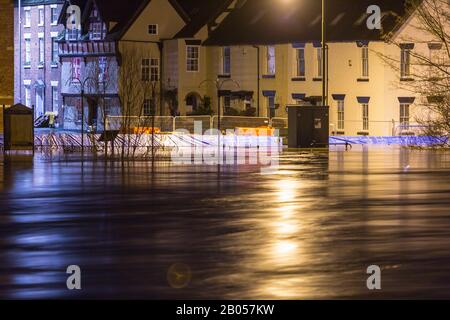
column 145, row 70
column 271, row 106
column 365, row 116
column 148, row 107
column 28, row 96
column 404, row 116
column 301, row 68
column 41, row 51
column 102, row 69
column 365, row 62
column 54, row 51
column 27, row 51
column 154, row 69
column 341, row 114
column 55, row 102
column 96, row 31
column 319, row 71
column 192, row 58
column 76, row 68
column 405, row 63
column 270, row 60
column 39, row 101
column 55, row 14
column 226, row 60
column 41, row 16
column 153, row 29
column 227, row 102
column 27, row 14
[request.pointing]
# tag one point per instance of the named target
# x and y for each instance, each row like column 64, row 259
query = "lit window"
column 102, row 69
column 192, row 58
column 270, row 58
column 96, row 31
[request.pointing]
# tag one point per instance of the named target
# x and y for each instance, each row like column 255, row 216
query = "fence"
column 171, row 124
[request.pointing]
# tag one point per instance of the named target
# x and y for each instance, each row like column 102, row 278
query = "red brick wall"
column 34, row 72
column 6, row 49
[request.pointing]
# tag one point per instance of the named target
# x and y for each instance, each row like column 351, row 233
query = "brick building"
column 6, row 52
column 37, row 67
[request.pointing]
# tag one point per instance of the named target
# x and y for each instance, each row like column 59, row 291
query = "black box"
column 308, row 126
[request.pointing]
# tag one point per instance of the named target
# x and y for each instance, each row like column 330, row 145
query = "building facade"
column 6, row 54
column 37, row 66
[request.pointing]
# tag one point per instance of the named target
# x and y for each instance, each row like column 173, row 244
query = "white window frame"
column 405, row 63
column 27, row 85
column 154, row 69
column 41, row 45
column 55, row 97
column 365, row 116
column 27, row 17
column 55, row 50
column 147, row 107
column 53, row 14
column 27, row 39
column 405, row 109
column 300, row 62
column 271, row 64
column 41, row 16
column 365, row 62
column 192, row 61
column 145, row 69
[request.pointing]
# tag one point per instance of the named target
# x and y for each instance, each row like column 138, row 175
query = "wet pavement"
column 306, row 230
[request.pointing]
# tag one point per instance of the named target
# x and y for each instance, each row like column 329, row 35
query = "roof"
column 201, row 12
column 288, row 21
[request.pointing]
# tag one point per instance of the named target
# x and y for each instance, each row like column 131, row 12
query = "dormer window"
column 96, row 31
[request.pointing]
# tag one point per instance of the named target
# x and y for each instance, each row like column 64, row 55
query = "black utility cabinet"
column 308, row 126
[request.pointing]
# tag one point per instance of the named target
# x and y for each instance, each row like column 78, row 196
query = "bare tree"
column 137, row 89
column 424, row 65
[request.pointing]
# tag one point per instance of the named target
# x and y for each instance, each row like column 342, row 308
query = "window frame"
column 405, row 63
column 156, row 29
column 226, row 61
column 300, row 62
column 365, row 116
column 271, row 64
column 365, row 62
column 405, row 117
column 341, row 114
column 193, row 60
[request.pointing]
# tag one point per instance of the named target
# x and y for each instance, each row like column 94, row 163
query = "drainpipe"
column 258, row 79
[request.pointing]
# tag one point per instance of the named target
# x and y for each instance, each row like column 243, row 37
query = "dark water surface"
column 309, row 229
